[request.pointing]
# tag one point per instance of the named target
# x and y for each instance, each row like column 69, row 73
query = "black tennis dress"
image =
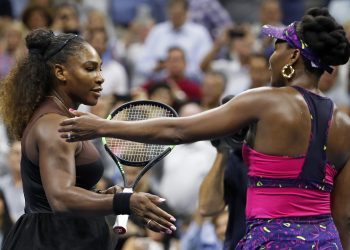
column 39, row 228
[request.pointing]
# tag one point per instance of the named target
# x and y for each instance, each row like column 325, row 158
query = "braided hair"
column 325, row 37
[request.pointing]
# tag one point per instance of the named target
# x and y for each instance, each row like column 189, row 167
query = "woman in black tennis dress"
column 62, row 211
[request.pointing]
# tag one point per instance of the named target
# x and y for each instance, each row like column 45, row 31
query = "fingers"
column 76, row 112
column 146, row 206
column 154, row 226
column 67, row 125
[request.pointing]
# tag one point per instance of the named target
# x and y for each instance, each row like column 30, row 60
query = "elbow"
column 59, row 205
column 209, row 210
column 205, row 212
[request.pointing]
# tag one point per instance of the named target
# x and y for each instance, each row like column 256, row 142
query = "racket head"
column 132, row 153
column 130, row 156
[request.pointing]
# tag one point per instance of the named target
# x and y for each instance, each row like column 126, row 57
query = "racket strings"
column 134, row 151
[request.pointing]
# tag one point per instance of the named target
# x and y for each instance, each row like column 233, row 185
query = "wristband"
column 121, row 203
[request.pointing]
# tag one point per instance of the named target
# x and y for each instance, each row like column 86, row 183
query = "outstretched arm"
column 222, row 121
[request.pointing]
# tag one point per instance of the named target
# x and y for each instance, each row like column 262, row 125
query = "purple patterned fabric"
column 317, row 233
column 290, row 35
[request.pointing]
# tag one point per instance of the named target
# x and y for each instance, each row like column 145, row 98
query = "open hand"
column 84, row 126
column 146, row 206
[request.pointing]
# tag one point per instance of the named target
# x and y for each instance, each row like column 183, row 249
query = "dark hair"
column 177, row 48
column 32, row 78
column 219, row 74
column 31, row 9
column 325, row 37
column 184, row 3
column 158, row 85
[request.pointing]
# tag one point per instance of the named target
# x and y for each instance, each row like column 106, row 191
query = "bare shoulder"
column 46, row 133
column 339, row 138
column 265, row 93
column 264, row 99
column 46, row 127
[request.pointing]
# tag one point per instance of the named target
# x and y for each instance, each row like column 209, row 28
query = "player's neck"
column 60, row 102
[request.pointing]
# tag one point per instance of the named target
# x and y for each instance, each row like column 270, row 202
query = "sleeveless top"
column 284, row 186
column 89, row 168
column 42, row 229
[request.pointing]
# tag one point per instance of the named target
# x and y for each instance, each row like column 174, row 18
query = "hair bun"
column 325, row 37
column 39, row 40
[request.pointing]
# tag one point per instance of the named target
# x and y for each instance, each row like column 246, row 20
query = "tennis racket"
column 134, row 154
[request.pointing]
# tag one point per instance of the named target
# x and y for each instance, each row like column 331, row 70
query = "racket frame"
column 121, row 221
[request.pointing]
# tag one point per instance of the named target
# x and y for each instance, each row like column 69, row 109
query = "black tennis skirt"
column 47, row 231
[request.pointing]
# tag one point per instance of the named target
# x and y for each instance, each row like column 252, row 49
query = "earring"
column 288, row 71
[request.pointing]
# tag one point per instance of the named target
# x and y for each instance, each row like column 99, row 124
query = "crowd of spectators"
column 187, row 54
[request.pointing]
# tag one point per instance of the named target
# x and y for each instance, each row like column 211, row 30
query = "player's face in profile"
column 278, row 60
column 84, row 76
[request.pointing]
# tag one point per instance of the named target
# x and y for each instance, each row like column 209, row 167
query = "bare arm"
column 211, row 193
column 57, row 169
column 222, row 121
column 341, row 205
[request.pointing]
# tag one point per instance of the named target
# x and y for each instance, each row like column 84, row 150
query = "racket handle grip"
column 120, row 225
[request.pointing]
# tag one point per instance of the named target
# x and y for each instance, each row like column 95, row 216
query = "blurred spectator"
column 347, row 29
column 204, row 233
column 226, row 184
column 234, row 65
column 104, row 106
column 11, row 183
column 5, row 219
column 44, row 3
column 36, row 16
column 100, row 5
column 17, row 8
column 175, row 65
column 123, row 12
column 162, row 92
column 66, row 19
column 95, row 20
column 152, row 241
column 271, row 14
column 13, row 47
column 292, row 10
column 211, row 14
column 133, row 40
column 193, row 38
column 213, row 87
column 242, row 11
column 6, row 9
column 184, row 170
column 340, row 10
column 114, row 74
column 4, row 148
column 335, row 86
column 259, row 71
column 138, row 237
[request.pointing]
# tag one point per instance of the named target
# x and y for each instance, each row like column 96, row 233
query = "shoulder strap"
column 321, row 111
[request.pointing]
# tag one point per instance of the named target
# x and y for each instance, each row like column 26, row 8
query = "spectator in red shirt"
column 184, row 88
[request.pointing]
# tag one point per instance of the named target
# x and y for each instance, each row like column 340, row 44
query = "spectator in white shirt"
column 193, row 38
